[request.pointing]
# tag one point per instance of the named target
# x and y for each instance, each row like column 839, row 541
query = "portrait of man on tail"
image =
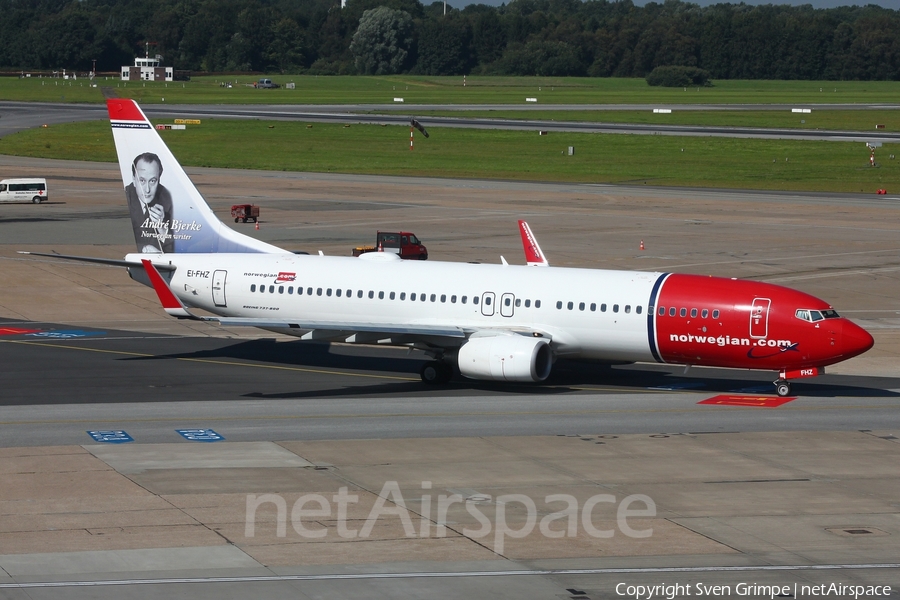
column 150, row 205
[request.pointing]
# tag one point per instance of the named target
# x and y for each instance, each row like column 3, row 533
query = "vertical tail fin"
column 534, row 256
column 168, row 213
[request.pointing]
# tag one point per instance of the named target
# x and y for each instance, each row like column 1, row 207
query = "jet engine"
column 506, row 358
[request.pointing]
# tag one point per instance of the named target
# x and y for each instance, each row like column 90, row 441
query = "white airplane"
column 489, row 322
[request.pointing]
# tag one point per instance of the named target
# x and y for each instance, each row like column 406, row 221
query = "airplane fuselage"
column 587, row 313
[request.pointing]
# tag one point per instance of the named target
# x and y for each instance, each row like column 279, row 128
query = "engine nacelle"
column 506, row 358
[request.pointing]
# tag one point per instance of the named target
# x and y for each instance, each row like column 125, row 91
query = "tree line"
column 596, row 38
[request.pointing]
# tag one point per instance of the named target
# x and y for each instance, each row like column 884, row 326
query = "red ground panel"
column 16, row 331
column 757, row 401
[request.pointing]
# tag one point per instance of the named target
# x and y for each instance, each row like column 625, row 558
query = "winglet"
column 533, row 254
column 170, row 302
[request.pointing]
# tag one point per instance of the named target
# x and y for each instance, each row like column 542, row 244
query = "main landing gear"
column 782, row 388
column 436, row 372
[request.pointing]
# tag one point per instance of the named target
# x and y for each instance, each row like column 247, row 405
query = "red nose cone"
column 855, row 339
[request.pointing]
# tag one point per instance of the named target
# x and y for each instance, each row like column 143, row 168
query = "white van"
column 23, row 190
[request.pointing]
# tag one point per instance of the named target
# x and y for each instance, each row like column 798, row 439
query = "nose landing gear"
column 782, row 388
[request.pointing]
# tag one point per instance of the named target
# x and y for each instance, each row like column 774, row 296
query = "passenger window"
column 443, row 297
column 603, row 307
column 537, row 303
column 528, row 304
column 615, row 308
column 593, row 307
column 393, row 295
column 559, row 304
column 693, row 313
column 371, row 294
column 683, row 312
column 318, row 291
column 299, row 291
column 349, row 293
column 581, row 306
column 422, row 297
column 381, row 295
column 433, row 297
column 290, row 289
column 474, row 299
column 309, row 291
column 280, row 289
column 638, row 309
column 463, row 299
column 412, row 297
column 672, row 311
column 716, row 313
column 328, row 292
column 661, row 311
column 403, row 295
column 337, row 292
column 253, row 287
column 627, row 308
column 359, row 293
column 271, row 289
column 570, row 305
column 453, row 299
column 704, row 313
column 507, row 302
column 487, row 300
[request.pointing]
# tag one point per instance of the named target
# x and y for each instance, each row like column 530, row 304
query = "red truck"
column 245, row 212
column 404, row 243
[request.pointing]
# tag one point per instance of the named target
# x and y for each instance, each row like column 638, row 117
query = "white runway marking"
column 436, row 575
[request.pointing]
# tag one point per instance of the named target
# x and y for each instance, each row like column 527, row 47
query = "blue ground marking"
column 111, row 436
column 200, row 435
column 67, row 334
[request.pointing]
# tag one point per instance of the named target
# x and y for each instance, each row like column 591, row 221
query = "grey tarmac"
column 805, row 493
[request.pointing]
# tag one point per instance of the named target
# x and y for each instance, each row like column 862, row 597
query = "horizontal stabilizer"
column 100, row 261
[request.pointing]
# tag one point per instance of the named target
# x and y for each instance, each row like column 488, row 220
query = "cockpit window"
column 813, row 316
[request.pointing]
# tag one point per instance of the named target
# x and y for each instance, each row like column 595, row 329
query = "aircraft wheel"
column 36, row 199
column 782, row 388
column 436, row 372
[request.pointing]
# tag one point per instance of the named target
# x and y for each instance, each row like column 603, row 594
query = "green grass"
column 848, row 120
column 432, row 90
column 654, row 160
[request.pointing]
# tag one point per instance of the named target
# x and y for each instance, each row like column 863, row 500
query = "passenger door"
column 218, row 288
column 759, row 318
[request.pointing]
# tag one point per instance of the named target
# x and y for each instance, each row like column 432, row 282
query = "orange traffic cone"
column 380, row 247
column 257, row 228
column 642, row 244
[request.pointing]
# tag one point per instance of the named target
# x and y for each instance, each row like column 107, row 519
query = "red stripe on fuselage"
column 756, row 327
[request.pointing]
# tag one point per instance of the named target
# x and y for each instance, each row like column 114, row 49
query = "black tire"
column 436, row 372
column 36, row 199
column 782, row 388
column 244, row 220
column 255, row 220
column 236, row 219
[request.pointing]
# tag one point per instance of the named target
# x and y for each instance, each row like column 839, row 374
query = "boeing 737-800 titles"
column 489, row 322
